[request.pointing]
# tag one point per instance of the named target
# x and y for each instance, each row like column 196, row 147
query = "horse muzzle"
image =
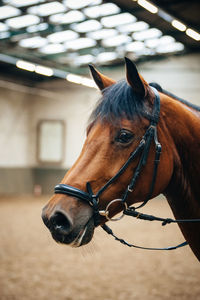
column 69, row 229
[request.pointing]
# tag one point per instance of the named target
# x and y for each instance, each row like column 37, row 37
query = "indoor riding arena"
column 47, row 95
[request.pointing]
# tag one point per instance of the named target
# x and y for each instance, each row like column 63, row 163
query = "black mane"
column 119, row 101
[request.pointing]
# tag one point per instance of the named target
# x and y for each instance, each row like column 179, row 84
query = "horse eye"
column 124, row 136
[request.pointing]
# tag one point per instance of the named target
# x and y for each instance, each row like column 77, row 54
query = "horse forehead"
column 99, row 131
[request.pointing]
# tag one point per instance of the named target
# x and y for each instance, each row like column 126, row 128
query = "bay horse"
column 122, row 160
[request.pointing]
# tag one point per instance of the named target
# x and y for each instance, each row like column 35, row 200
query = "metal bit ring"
column 105, row 212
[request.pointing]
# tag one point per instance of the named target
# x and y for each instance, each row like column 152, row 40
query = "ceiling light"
column 68, row 18
column 95, row 2
column 81, row 80
column 178, row 25
column 52, row 49
column 147, row 34
column 137, row 26
column 83, row 60
column 33, row 42
column 148, row 6
column 43, row 70
column 77, row 4
column 36, row 28
column 23, row 21
column 173, row 47
column 193, row 34
column 4, row 35
column 80, row 43
column 165, row 40
column 135, row 47
column 62, row 36
column 106, row 57
column 101, row 34
column 3, row 27
column 25, row 65
column 102, row 10
column 117, row 20
column 116, row 41
column 89, row 25
column 8, row 12
column 47, row 9
column 22, row 3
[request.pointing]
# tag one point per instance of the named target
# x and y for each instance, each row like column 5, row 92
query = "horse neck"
column 183, row 192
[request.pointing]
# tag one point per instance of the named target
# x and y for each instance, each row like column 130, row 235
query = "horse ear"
column 101, row 81
column 138, row 84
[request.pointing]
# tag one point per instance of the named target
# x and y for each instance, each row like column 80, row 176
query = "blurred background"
column 46, row 97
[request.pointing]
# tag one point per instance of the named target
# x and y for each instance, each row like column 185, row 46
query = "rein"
column 142, row 149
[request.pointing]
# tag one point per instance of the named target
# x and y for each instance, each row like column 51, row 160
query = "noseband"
column 142, row 149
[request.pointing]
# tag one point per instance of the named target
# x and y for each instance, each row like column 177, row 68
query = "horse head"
column 117, row 129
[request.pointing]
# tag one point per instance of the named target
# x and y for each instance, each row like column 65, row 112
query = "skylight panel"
column 4, row 35
column 3, row 27
column 52, row 49
column 74, row 4
column 89, row 25
column 117, row 20
column 116, row 41
column 147, row 34
column 22, row 3
column 106, row 57
column 68, row 18
column 47, row 9
column 62, row 36
column 33, row 42
column 170, row 48
column 132, row 27
column 7, row 11
column 23, row 21
column 95, row 2
column 83, row 60
column 135, row 47
column 102, row 10
column 36, row 28
column 165, row 40
column 103, row 33
column 80, row 43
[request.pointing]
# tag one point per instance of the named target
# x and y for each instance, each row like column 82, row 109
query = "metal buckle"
column 129, row 189
column 105, row 213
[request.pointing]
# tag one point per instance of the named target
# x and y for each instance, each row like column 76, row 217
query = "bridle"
column 142, row 149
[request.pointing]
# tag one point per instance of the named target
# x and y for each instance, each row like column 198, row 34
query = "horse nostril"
column 61, row 223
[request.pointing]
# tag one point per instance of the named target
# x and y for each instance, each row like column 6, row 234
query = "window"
column 50, row 141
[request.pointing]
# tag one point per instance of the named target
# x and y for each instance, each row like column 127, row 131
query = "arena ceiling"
column 60, row 38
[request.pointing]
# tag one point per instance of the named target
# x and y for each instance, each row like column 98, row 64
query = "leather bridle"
column 142, row 149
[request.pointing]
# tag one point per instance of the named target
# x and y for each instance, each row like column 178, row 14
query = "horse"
column 122, row 159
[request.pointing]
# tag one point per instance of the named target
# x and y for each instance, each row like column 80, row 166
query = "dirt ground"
column 33, row 266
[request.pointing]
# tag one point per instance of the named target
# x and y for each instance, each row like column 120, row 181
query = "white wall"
column 177, row 74
column 22, row 108
column 14, row 113
column 73, row 106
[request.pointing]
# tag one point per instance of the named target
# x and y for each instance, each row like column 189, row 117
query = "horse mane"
column 119, row 101
column 160, row 89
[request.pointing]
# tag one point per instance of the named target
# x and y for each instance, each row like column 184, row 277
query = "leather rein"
column 142, row 149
